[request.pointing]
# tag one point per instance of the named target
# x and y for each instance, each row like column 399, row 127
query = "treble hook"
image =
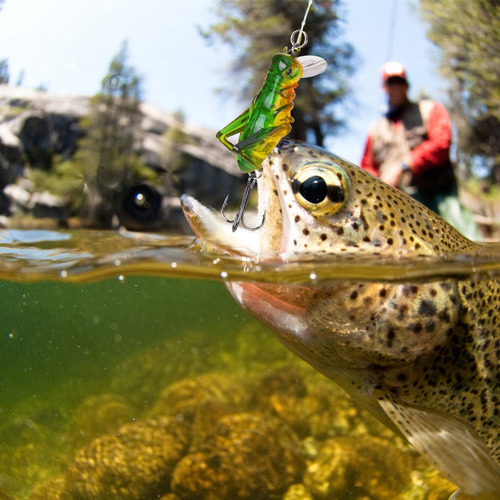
column 238, row 219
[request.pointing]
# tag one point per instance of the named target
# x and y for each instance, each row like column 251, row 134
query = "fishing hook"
column 238, row 218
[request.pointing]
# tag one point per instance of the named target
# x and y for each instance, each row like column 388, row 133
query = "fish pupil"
column 314, row 189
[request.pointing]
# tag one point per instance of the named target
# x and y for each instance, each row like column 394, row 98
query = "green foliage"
column 109, row 153
column 65, row 179
column 260, row 28
column 488, row 194
column 4, row 71
column 468, row 34
column 111, row 149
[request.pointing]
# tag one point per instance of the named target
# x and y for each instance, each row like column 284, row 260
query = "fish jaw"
column 258, row 245
column 210, row 228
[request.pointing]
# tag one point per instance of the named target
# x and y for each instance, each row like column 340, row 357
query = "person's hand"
column 392, row 174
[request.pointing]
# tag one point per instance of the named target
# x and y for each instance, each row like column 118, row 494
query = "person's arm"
column 367, row 160
column 436, row 149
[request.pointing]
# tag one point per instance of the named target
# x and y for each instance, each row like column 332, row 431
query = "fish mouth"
column 264, row 243
column 210, row 228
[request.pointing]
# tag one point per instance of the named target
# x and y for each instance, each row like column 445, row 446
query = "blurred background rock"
column 103, row 162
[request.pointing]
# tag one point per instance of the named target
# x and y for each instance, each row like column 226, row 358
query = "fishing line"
column 305, row 17
column 296, row 44
column 392, row 29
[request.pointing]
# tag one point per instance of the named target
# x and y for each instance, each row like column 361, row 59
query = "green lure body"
column 268, row 119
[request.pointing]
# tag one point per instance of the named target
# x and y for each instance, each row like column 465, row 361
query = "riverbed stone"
column 134, row 463
column 247, row 457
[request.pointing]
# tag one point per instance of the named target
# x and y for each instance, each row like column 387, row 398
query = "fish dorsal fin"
column 450, row 443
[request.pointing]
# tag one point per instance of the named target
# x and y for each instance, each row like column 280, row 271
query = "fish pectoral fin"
column 450, row 443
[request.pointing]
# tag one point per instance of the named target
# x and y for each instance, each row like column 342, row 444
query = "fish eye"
column 314, row 189
column 289, row 71
column 321, row 188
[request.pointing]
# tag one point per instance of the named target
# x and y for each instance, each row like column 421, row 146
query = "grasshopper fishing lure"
column 268, row 119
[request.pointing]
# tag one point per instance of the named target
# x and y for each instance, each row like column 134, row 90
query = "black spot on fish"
column 426, row 308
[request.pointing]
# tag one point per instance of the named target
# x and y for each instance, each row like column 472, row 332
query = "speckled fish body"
column 422, row 356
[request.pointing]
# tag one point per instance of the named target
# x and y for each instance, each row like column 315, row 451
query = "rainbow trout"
column 422, row 356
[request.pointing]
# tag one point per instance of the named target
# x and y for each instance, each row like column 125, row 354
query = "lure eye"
column 321, row 188
column 289, row 71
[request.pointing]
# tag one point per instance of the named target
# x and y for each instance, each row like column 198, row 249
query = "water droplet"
column 223, row 274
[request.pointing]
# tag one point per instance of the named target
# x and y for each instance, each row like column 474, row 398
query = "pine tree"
column 114, row 125
column 470, row 61
column 260, row 28
column 4, row 71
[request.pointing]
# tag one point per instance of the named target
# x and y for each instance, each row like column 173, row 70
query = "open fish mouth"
column 261, row 244
column 209, row 226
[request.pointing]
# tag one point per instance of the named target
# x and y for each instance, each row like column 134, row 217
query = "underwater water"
column 129, row 372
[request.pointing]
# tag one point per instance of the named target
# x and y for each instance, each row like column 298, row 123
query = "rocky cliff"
column 37, row 129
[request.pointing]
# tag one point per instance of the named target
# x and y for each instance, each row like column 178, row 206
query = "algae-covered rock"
column 297, row 492
column 55, row 489
column 98, row 415
column 367, row 467
column 134, row 463
column 206, row 419
column 308, row 407
column 4, row 495
column 182, row 398
column 429, row 484
column 247, row 457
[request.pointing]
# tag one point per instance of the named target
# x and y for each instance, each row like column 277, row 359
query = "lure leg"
column 254, row 149
column 235, row 127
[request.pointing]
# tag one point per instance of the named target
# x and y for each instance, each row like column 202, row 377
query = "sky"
column 67, row 46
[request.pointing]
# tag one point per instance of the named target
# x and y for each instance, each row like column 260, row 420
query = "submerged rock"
column 98, row 415
column 246, row 457
column 308, row 406
column 297, row 492
column 183, row 398
column 370, row 467
column 135, row 463
column 4, row 495
column 54, row 488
